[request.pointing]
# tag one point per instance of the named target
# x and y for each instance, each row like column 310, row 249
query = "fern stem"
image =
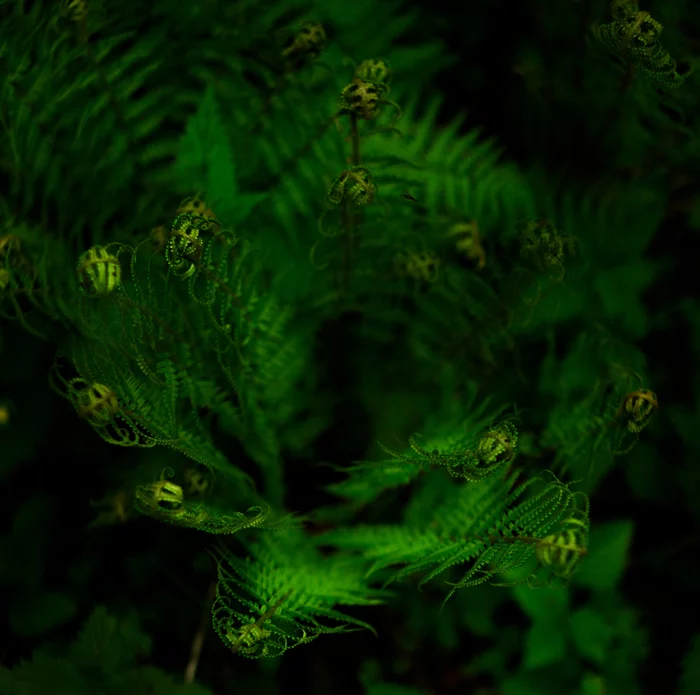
column 198, row 640
column 348, row 217
column 355, row 137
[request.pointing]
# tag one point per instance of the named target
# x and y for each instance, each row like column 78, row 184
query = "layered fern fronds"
column 495, row 526
column 285, row 593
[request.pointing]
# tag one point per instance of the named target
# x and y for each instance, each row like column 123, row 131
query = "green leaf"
column 592, row 684
column 544, row 645
column 244, row 204
column 110, row 642
column 620, row 290
column 531, row 683
column 591, row 634
column 205, row 162
column 45, row 675
column 40, row 613
column 153, row 681
column 543, row 604
column 607, row 555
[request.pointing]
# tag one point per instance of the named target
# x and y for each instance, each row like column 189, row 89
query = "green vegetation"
column 347, row 357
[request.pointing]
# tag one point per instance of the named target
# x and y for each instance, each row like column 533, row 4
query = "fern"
column 166, row 501
column 103, row 658
column 477, row 524
column 634, row 36
column 284, row 594
column 320, row 195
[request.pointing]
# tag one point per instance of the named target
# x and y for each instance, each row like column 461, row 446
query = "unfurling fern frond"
column 635, row 37
column 284, row 594
column 483, row 525
column 470, row 438
column 355, row 186
column 495, row 447
column 166, row 501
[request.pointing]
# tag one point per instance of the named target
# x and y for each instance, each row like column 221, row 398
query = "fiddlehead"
column 634, row 36
column 418, row 265
column 183, row 249
column 101, row 407
column 468, row 242
column 168, row 502
column 546, row 247
column 99, row 271
column 305, row 45
column 284, row 594
column 633, row 415
column 377, row 72
column 477, row 524
column 563, row 551
column 495, row 448
column 354, row 185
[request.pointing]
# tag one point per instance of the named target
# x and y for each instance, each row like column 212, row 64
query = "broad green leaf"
column 543, row 604
column 36, row 614
column 46, row 675
column 591, row 634
column 620, row 290
column 544, row 645
column 111, row 642
column 607, row 555
column 592, row 684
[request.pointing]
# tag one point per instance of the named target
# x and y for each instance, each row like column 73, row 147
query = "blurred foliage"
column 102, row 659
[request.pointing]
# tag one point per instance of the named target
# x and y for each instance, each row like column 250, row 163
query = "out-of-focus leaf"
column 112, row 643
column 38, row 613
column 591, row 634
column 607, row 555
column 45, row 675
column 592, row 684
column 544, row 645
column 542, row 604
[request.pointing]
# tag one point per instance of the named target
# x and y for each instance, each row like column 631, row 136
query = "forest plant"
column 205, row 327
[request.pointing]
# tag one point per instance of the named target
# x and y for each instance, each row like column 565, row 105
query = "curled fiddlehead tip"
column 355, row 185
column 468, row 242
column 376, row 71
column 562, row 552
column 99, row 272
column 634, row 36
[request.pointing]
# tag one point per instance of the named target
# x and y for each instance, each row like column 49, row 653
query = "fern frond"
column 634, row 36
column 451, row 174
column 283, row 595
column 472, row 448
column 483, row 525
column 166, row 501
